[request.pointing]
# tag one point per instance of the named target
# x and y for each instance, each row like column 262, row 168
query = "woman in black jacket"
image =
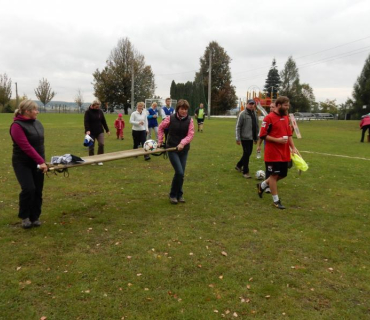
column 95, row 124
column 29, row 161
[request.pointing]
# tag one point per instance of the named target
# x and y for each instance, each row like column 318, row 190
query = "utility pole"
column 16, row 95
column 132, row 87
column 209, row 83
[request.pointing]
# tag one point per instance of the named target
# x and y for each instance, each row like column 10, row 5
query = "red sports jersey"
column 276, row 126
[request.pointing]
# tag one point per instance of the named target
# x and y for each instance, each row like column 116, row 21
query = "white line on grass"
column 336, row 155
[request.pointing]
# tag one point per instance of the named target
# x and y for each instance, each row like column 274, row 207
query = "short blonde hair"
column 25, row 105
column 140, row 104
column 96, row 102
column 154, row 104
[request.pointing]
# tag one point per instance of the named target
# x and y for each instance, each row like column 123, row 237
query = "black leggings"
column 139, row 138
column 32, row 183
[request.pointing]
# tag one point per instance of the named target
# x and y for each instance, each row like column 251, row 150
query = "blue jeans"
column 178, row 161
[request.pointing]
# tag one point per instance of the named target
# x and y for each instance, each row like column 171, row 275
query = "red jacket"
column 365, row 121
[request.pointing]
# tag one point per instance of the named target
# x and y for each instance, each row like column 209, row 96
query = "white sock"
column 275, row 198
column 264, row 185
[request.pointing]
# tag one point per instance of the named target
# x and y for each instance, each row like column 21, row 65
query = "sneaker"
column 278, row 205
column 173, row 200
column 36, row 223
column 247, row 176
column 260, row 190
column 238, row 169
column 147, row 158
column 181, row 200
column 26, row 223
column 100, row 163
column 267, row 190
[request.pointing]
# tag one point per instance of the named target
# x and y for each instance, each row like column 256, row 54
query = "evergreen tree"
column 361, row 91
column 173, row 90
column 298, row 94
column 272, row 81
column 223, row 95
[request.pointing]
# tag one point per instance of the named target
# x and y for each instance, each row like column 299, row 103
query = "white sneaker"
column 100, row 163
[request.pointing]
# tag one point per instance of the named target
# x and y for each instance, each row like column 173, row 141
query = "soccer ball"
column 260, row 175
column 150, row 145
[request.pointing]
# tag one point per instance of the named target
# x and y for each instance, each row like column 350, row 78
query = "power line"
column 311, row 54
column 312, row 63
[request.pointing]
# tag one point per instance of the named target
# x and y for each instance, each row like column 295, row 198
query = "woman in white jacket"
column 139, row 123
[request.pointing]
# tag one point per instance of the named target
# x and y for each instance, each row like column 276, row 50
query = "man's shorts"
column 277, row 168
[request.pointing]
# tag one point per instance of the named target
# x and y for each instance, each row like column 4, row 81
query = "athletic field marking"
column 336, row 155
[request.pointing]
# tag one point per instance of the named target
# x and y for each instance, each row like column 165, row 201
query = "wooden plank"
column 108, row 157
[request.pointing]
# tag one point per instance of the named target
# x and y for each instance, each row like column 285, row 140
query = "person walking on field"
column 246, row 135
column 119, row 124
column 166, row 111
column 180, row 133
column 152, row 121
column 276, row 131
column 95, row 124
column 139, row 122
column 365, row 125
column 28, row 161
column 200, row 115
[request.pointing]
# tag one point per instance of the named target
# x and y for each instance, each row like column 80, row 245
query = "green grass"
column 112, row 247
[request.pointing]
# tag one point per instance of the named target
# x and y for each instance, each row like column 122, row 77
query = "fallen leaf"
column 139, row 274
column 268, row 296
column 43, row 318
column 215, row 311
column 248, row 286
column 235, row 315
column 224, row 253
column 19, row 268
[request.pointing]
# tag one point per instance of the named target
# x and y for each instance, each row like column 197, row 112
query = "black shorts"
column 200, row 121
column 277, row 168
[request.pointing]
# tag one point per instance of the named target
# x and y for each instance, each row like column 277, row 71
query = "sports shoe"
column 36, row 223
column 181, row 200
column 173, row 200
column 267, row 190
column 238, row 169
column 147, row 158
column 260, row 190
column 278, row 205
column 100, row 163
column 247, row 176
column 26, row 223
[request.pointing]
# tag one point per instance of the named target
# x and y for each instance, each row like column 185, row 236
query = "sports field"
column 112, row 246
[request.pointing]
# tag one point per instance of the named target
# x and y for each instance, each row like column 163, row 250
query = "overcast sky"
column 66, row 41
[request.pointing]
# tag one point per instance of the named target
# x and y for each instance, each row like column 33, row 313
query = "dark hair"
column 182, row 103
column 281, row 100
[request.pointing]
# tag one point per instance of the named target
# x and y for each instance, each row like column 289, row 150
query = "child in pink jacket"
column 119, row 124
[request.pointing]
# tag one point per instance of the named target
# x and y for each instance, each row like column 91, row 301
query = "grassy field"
column 112, row 246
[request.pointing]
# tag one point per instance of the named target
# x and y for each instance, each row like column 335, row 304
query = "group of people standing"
column 28, row 157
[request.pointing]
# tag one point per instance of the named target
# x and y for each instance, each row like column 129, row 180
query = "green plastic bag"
column 299, row 162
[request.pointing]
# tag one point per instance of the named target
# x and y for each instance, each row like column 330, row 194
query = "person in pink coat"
column 119, row 124
column 364, row 125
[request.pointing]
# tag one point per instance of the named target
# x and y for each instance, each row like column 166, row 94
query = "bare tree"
column 5, row 89
column 79, row 100
column 43, row 92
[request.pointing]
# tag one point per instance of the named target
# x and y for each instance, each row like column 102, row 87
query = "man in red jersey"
column 276, row 131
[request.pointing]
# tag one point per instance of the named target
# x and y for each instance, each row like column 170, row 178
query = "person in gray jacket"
column 246, row 134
